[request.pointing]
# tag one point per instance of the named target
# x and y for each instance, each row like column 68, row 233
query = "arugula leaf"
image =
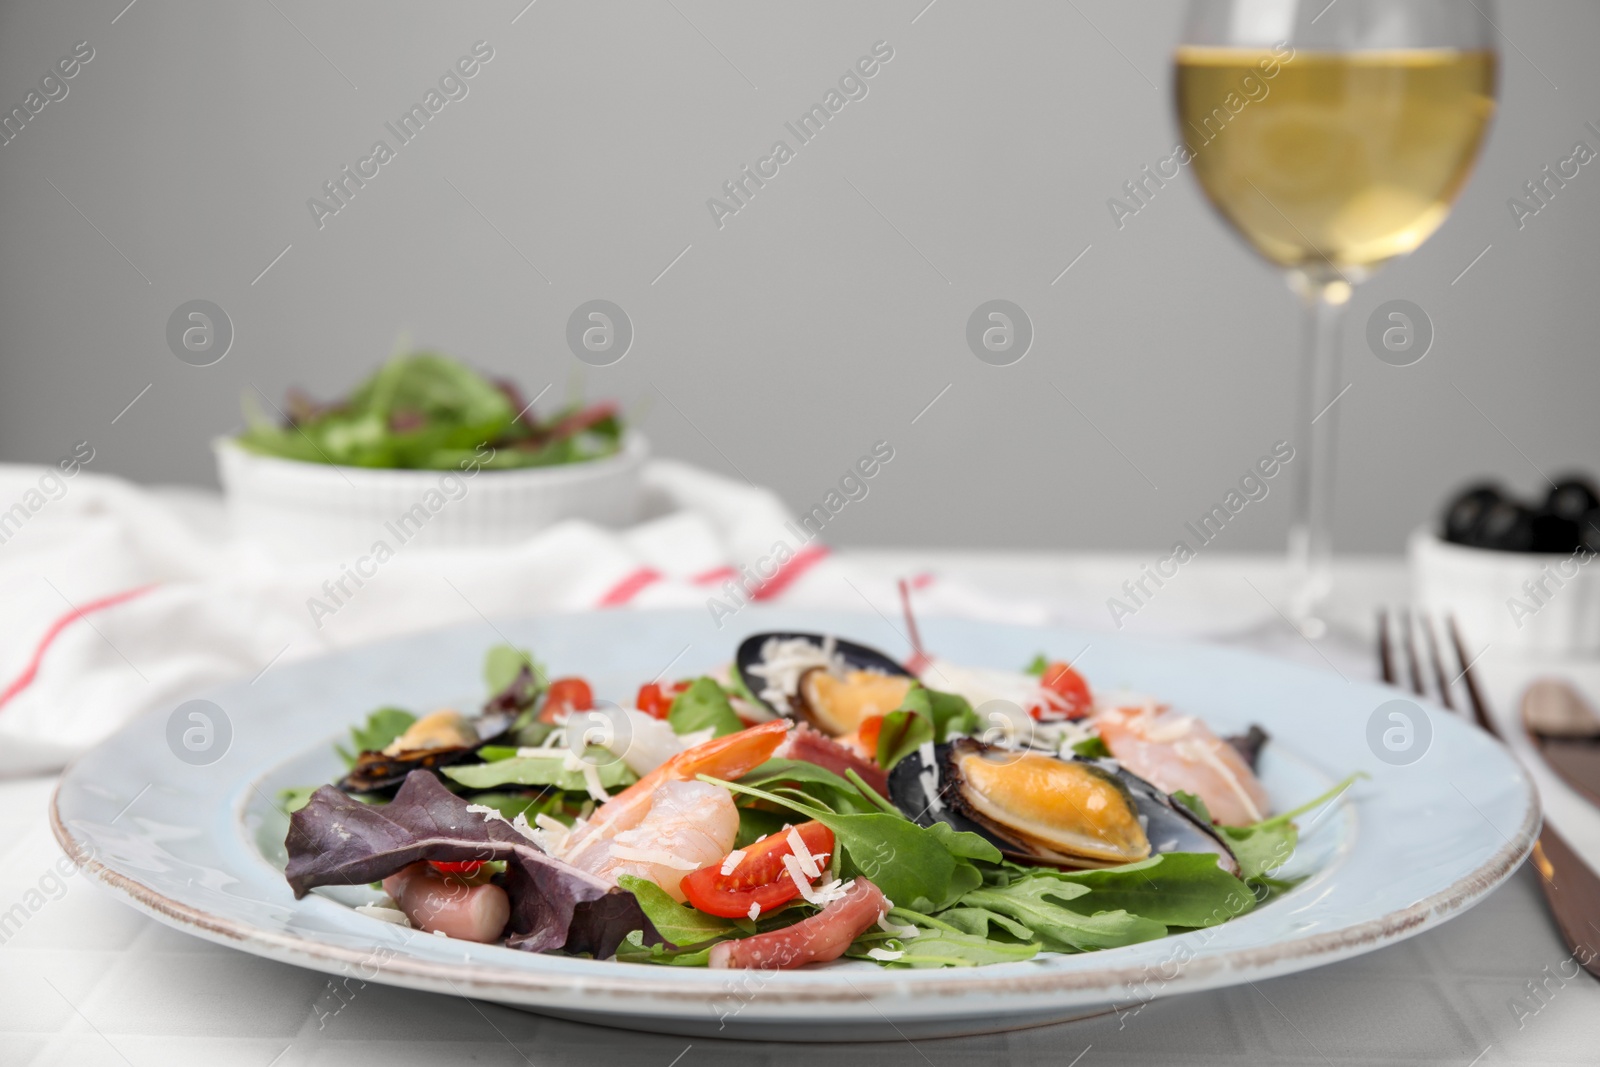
column 1265, row 846
column 1196, row 806
column 963, row 845
column 1174, row 888
column 901, row 734
column 542, row 771
column 378, row 732
column 1093, row 748
column 943, row 947
column 634, row 950
column 1038, row 666
column 911, row 865
column 976, row 921
column 680, row 924
column 701, row 705
column 1040, row 905
column 1260, row 849
column 818, row 781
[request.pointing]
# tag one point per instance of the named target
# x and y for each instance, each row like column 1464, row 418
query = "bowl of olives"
column 1516, row 572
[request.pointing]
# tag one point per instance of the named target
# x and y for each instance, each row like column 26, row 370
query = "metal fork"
column 1570, row 887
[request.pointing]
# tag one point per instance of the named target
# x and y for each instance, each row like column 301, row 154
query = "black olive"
column 1571, row 497
column 1554, row 533
column 1589, row 530
column 1506, row 527
column 1464, row 514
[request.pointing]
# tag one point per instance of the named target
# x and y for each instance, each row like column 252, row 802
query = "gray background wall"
column 825, row 315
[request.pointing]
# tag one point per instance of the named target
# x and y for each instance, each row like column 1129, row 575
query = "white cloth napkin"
column 115, row 599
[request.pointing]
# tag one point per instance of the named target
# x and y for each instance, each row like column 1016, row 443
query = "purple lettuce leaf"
column 335, row 840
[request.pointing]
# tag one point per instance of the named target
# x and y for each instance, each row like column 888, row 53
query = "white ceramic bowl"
column 313, row 510
column 1542, row 603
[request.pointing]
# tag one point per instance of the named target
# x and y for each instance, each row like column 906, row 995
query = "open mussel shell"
column 375, row 772
column 811, row 692
column 1047, row 811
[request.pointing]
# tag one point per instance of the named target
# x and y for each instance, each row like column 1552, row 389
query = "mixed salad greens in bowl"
column 426, row 448
column 426, row 411
column 814, row 800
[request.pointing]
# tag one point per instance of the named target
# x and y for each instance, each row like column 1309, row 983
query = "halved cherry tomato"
column 761, row 878
column 566, row 695
column 656, row 699
column 1070, row 686
column 867, row 733
column 456, row 866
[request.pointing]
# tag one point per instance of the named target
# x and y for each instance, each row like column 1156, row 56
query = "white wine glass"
column 1333, row 137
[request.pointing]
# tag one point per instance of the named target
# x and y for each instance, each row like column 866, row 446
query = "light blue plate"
column 196, row 846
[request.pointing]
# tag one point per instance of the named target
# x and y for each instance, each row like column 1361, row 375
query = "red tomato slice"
column 656, row 699
column 1070, row 686
column 566, row 695
column 761, row 878
column 867, row 733
column 456, row 866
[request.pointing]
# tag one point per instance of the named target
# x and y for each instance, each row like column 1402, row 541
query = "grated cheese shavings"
column 784, row 661
column 755, row 912
column 731, row 861
column 808, row 862
column 384, row 913
column 906, row 932
column 884, row 954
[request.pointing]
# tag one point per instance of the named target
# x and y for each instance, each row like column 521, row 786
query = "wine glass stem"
column 1311, row 526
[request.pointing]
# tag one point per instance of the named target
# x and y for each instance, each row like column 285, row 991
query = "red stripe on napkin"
column 803, row 561
column 25, row 679
column 629, row 587
column 714, row 575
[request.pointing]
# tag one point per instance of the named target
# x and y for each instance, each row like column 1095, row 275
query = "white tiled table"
column 84, row 980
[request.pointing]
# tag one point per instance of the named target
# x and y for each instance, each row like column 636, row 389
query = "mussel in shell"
column 433, row 741
column 831, row 684
column 1047, row 811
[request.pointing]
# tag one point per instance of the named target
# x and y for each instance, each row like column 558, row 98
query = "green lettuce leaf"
column 946, row 711
column 547, row 771
column 701, row 705
column 936, row 946
column 1175, row 889
column 1040, row 905
column 818, row 782
column 1094, row 748
column 634, row 950
column 901, row 734
column 378, row 732
column 680, row 924
column 502, row 664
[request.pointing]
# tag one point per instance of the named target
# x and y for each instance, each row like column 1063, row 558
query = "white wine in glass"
column 1333, row 138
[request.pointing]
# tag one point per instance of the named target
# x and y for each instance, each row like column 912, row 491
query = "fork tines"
column 1408, row 622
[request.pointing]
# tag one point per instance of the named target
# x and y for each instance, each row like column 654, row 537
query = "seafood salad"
column 815, row 799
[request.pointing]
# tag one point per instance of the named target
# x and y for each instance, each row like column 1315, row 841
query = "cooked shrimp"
column 689, row 825
column 1179, row 752
column 721, row 757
